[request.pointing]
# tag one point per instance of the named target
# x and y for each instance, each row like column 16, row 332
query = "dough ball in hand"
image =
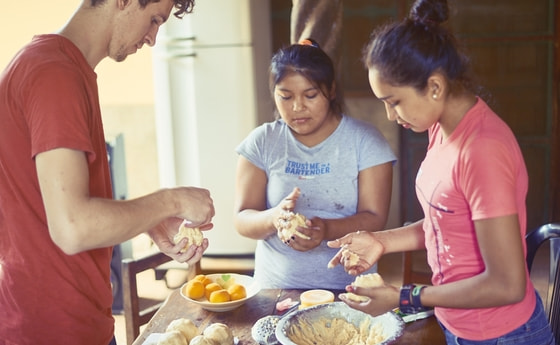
column 288, row 224
column 194, row 235
column 365, row 281
column 369, row 280
column 172, row 338
column 185, row 326
column 350, row 258
column 219, row 333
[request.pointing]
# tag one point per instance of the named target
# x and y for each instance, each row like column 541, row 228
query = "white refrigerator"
column 210, row 79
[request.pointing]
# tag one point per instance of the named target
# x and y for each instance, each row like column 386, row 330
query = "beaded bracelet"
column 409, row 302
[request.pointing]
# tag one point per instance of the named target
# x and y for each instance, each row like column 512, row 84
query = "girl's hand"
column 381, row 299
column 315, row 229
column 286, row 205
column 361, row 244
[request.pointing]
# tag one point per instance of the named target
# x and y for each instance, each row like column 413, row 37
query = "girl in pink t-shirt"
column 471, row 185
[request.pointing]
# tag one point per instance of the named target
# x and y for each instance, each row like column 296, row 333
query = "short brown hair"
column 182, row 6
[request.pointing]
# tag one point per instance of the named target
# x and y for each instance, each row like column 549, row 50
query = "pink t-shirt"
column 477, row 173
column 48, row 99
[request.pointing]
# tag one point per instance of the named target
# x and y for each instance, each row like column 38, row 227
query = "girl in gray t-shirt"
column 314, row 160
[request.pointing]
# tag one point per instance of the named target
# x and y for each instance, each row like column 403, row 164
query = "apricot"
column 203, row 279
column 194, row 289
column 211, row 288
column 219, row 296
column 237, row 291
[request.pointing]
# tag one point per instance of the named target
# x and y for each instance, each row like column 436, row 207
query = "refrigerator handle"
column 177, row 56
column 182, row 39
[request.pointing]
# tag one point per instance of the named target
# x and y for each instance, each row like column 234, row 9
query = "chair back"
column 134, row 316
column 551, row 233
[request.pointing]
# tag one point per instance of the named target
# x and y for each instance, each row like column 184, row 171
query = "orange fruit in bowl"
column 194, row 289
column 203, row 279
column 219, row 296
column 237, row 291
column 208, row 289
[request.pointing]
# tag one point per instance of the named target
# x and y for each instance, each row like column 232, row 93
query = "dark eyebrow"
column 384, row 98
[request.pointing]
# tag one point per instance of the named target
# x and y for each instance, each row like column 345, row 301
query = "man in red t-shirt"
column 58, row 222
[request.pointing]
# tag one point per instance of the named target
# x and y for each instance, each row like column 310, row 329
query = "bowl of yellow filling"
column 336, row 323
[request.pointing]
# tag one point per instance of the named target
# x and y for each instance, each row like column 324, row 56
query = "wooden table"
column 240, row 320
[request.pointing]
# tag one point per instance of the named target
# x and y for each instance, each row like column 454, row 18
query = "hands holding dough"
column 194, row 235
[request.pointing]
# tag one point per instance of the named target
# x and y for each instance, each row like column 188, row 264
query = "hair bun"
column 429, row 12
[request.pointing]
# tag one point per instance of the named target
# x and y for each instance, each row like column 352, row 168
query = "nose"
column 150, row 38
column 297, row 105
column 391, row 113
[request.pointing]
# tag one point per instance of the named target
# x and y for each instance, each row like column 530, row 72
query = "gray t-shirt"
column 327, row 175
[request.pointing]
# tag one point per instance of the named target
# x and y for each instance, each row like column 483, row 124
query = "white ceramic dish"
column 391, row 324
column 251, row 286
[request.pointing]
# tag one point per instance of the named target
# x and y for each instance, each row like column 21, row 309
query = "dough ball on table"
column 365, row 281
column 185, row 326
column 219, row 333
column 172, row 338
column 194, row 236
column 202, row 340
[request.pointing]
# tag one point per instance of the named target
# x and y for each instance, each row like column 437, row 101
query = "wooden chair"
column 551, row 233
column 235, row 263
column 134, row 315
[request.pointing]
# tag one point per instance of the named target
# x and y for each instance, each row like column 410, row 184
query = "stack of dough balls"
column 288, row 223
column 365, row 281
column 184, row 332
column 194, row 235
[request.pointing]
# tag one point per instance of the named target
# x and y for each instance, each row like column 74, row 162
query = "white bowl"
column 392, row 326
column 251, row 286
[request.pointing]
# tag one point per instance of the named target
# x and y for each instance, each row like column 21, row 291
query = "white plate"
column 392, row 325
column 251, row 286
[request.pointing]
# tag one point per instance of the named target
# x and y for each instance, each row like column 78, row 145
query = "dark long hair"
column 309, row 60
column 406, row 53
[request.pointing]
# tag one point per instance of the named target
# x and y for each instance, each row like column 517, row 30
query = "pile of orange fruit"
column 224, row 289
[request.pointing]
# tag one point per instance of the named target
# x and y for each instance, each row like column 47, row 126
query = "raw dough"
column 351, row 257
column 335, row 331
column 369, row 280
column 185, row 326
column 202, row 340
column 347, row 255
column 288, row 223
column 219, row 333
column 193, row 234
column 365, row 280
column 172, row 338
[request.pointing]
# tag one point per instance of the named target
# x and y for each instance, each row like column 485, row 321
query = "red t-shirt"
column 478, row 172
column 48, row 100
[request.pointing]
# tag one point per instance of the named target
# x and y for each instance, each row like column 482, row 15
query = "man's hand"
column 163, row 238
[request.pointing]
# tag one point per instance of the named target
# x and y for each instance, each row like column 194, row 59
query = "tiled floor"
column 390, row 267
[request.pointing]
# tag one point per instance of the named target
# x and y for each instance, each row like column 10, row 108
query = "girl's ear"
column 436, row 86
column 332, row 91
